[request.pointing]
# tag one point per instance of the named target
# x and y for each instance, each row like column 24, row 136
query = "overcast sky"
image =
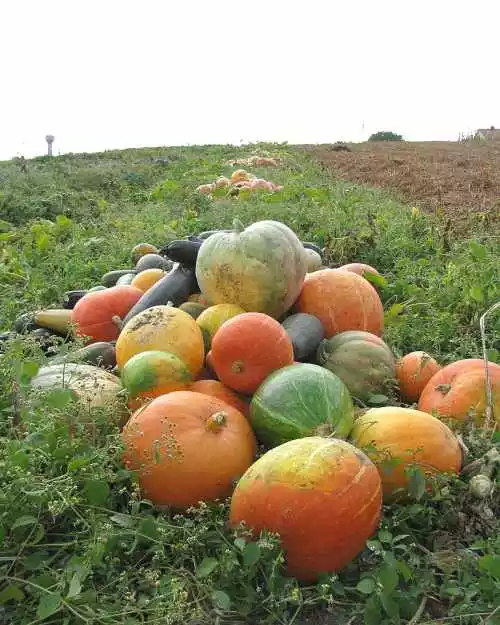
column 113, row 74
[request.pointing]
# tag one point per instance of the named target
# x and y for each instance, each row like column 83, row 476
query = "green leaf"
column 23, row 521
column 366, row 586
column 35, row 560
column 240, row 543
column 207, row 566
column 389, row 605
column 394, row 311
column 372, row 613
column 75, row 587
column 96, row 491
column 2, row 534
column 11, row 593
column 478, row 251
column 476, row 293
column 491, row 564
column 416, row 483
column 375, row 279
column 385, row 537
column 49, row 604
column 221, row 600
column 377, row 400
column 29, row 369
column 42, row 241
column 123, row 520
column 388, row 578
column 404, row 570
column 60, row 397
column 147, row 528
column 251, row 554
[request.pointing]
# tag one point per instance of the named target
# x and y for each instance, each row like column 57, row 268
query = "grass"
column 77, row 542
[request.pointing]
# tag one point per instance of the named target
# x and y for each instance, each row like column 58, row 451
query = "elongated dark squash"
column 152, row 261
column 175, row 287
column 182, row 251
column 306, row 333
column 100, row 354
column 312, row 246
column 125, row 279
column 70, row 298
column 111, row 278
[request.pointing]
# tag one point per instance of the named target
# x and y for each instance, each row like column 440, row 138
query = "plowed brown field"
column 458, row 180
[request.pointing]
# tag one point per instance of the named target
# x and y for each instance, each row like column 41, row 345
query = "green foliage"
column 385, row 135
column 77, row 542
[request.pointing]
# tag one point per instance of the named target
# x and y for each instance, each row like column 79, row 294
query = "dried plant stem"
column 489, row 395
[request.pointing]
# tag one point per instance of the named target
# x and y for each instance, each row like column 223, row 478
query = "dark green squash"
column 125, row 279
column 193, row 308
column 306, row 333
column 153, row 261
column 175, row 287
column 97, row 287
column 100, row 354
column 70, row 298
column 312, row 246
column 182, row 251
column 111, row 278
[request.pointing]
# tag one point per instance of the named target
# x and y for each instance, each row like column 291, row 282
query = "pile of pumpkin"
column 240, row 179
column 230, row 339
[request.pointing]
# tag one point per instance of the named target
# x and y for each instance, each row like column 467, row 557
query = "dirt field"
column 461, row 180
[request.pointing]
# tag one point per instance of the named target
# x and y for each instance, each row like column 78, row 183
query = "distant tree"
column 385, row 135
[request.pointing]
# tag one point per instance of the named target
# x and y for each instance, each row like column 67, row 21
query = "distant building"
column 488, row 134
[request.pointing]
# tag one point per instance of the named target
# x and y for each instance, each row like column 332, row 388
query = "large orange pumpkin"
column 413, row 371
column 187, row 447
column 342, row 301
column 214, row 388
column 322, row 496
column 98, row 314
column 162, row 328
column 248, row 348
column 457, row 393
column 396, row 438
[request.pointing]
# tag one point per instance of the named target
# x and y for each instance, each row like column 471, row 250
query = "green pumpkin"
column 361, row 360
column 301, row 400
column 260, row 268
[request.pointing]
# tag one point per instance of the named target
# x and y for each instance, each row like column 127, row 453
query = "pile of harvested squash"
column 230, row 340
column 240, row 180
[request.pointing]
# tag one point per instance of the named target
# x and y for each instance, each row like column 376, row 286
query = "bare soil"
column 459, row 181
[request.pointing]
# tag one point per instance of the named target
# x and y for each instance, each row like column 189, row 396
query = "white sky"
column 113, row 74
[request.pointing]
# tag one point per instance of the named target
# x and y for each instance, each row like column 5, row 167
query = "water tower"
column 50, row 141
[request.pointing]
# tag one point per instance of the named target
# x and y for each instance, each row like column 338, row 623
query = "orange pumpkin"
column 187, row 447
column 248, row 348
column 322, row 496
column 145, row 279
column 457, row 393
column 214, row 388
column 397, row 438
column 359, row 268
column 141, row 249
column 342, row 301
column 162, row 328
column 97, row 315
column 413, row 371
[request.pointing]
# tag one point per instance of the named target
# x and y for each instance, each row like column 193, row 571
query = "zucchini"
column 184, row 252
column 57, row 319
column 125, row 279
column 111, row 278
column 306, row 333
column 97, row 287
column 312, row 246
column 175, row 287
column 99, row 354
column 72, row 297
column 152, row 261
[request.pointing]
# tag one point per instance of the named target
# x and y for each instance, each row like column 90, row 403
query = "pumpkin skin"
column 211, row 319
column 342, row 301
column 145, row 279
column 313, row 260
column 214, row 388
column 260, row 268
column 301, row 400
column 413, row 371
column 359, row 268
column 141, row 249
column 323, row 497
column 458, row 392
column 93, row 314
column 162, row 328
column 153, row 373
column 248, row 348
column 361, row 360
column 411, row 436
column 187, row 447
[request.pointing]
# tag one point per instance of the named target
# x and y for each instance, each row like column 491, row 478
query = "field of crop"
column 78, row 544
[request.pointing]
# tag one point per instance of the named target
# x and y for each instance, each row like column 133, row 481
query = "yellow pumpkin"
column 165, row 329
column 213, row 317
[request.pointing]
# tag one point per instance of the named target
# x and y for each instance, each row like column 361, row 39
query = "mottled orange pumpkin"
column 413, row 371
column 214, row 388
column 342, row 301
column 166, row 329
column 457, row 393
column 396, row 438
column 188, row 447
column 322, row 496
column 98, row 315
column 248, row 348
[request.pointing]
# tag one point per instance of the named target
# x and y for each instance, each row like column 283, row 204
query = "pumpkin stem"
column 325, row 430
column 237, row 366
column 216, row 421
column 443, row 388
column 118, row 321
column 238, row 225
